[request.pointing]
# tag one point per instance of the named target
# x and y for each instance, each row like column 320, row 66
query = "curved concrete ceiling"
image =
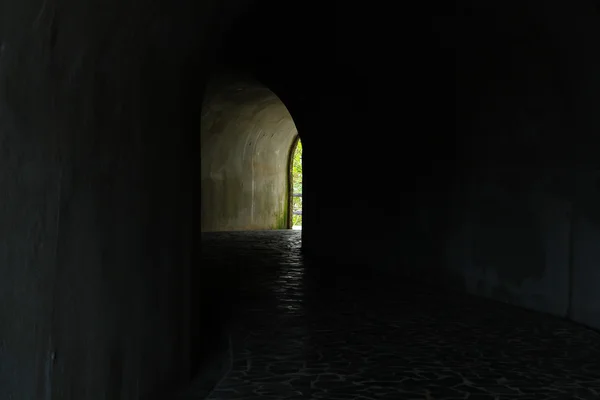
column 246, row 137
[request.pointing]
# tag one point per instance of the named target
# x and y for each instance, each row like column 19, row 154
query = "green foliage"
column 297, row 183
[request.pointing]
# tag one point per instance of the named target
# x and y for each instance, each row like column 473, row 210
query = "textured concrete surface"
column 312, row 331
column 247, row 134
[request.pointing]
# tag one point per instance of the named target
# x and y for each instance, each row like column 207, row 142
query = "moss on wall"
column 283, row 218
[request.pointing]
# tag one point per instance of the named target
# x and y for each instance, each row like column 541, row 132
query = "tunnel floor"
column 310, row 331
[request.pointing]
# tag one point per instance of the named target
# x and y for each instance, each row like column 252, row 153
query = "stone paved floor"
column 321, row 332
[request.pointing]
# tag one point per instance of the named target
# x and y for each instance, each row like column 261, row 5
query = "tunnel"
column 247, row 135
column 450, row 242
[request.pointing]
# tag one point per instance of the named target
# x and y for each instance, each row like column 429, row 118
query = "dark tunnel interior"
column 450, row 242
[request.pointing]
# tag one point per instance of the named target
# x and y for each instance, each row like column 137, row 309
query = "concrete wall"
column 247, row 134
column 585, row 261
column 99, row 119
column 530, row 247
column 478, row 163
column 524, row 230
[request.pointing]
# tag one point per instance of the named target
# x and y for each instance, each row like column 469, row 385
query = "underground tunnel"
column 450, row 242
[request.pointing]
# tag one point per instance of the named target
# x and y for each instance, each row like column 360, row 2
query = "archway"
column 246, row 136
column 295, row 204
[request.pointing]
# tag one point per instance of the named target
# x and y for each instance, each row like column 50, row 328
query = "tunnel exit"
column 296, row 185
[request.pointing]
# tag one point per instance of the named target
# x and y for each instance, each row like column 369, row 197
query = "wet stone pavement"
column 309, row 331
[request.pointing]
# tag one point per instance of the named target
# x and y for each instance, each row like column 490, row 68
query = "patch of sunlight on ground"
column 297, row 227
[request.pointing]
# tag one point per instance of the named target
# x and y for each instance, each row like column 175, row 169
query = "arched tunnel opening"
column 246, row 137
column 147, row 196
column 295, row 179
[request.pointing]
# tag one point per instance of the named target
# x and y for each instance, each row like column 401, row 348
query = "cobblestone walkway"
column 323, row 332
